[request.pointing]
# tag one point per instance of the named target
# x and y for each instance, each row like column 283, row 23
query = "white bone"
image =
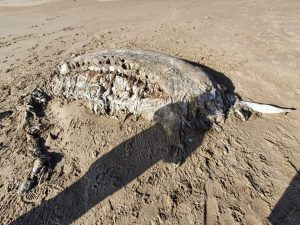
column 264, row 108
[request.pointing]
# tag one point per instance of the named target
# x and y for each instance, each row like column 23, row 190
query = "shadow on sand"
column 113, row 171
column 132, row 158
column 107, row 175
column 287, row 209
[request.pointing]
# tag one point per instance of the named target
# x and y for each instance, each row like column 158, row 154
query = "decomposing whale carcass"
column 156, row 86
column 133, row 81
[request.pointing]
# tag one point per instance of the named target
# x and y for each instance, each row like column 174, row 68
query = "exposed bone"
column 264, row 108
column 64, row 69
column 243, row 109
column 155, row 86
column 142, row 76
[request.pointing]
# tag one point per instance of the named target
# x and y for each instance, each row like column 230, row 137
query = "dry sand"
column 246, row 174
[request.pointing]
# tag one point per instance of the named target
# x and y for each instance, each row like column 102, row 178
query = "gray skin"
column 153, row 85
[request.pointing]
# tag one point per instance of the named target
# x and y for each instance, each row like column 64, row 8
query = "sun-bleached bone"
column 265, row 108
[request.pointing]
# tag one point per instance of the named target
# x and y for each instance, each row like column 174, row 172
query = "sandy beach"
column 245, row 173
